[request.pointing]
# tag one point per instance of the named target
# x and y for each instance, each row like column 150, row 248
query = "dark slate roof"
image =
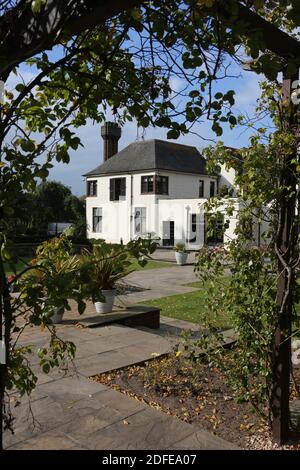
column 153, row 155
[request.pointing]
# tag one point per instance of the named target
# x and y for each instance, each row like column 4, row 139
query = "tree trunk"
column 6, row 320
column 24, row 34
column 2, row 366
column 286, row 245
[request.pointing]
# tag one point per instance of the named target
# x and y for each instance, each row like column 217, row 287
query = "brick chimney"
column 111, row 134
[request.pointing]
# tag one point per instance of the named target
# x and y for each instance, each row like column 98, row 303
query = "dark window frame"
column 194, row 222
column 97, row 219
column 146, row 183
column 201, row 188
column 212, row 189
column 92, row 188
column 159, row 185
column 117, row 188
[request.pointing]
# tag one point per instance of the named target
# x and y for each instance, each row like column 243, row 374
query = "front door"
column 168, row 233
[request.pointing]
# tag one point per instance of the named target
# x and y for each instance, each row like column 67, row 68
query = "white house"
column 151, row 188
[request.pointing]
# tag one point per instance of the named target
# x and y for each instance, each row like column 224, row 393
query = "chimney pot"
column 111, row 134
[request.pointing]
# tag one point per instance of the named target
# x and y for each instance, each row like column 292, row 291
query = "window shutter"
column 112, row 189
column 123, row 187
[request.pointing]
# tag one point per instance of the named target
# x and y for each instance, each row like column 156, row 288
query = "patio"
column 69, row 411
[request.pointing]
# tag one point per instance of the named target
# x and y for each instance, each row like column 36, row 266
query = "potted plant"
column 180, row 254
column 53, row 277
column 107, row 264
column 102, row 268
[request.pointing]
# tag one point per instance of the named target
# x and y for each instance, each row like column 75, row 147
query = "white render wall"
column 227, row 177
column 180, row 211
column 186, row 186
column 118, row 216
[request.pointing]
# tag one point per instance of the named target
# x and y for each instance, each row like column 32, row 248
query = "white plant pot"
column 181, row 257
column 58, row 314
column 107, row 306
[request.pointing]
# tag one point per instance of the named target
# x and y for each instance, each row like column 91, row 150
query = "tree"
column 43, row 24
column 264, row 326
column 54, row 202
column 74, row 208
column 50, row 202
column 123, row 58
column 94, row 68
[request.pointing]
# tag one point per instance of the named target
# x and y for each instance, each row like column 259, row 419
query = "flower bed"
column 196, row 393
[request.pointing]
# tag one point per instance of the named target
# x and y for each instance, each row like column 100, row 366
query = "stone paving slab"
column 163, row 254
column 108, row 420
column 52, row 440
column 147, row 429
column 156, row 292
column 157, row 283
column 202, row 439
column 71, row 388
column 75, row 413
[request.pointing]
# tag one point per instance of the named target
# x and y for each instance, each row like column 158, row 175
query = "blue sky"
column 87, row 158
column 91, row 155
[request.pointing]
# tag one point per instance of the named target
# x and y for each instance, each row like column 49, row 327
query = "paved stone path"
column 163, row 254
column 152, row 284
column 157, row 283
column 72, row 412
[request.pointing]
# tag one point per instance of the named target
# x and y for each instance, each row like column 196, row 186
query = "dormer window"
column 92, row 188
column 155, row 184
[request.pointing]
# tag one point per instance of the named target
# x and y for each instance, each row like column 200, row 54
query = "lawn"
column 152, row 264
column 186, row 306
